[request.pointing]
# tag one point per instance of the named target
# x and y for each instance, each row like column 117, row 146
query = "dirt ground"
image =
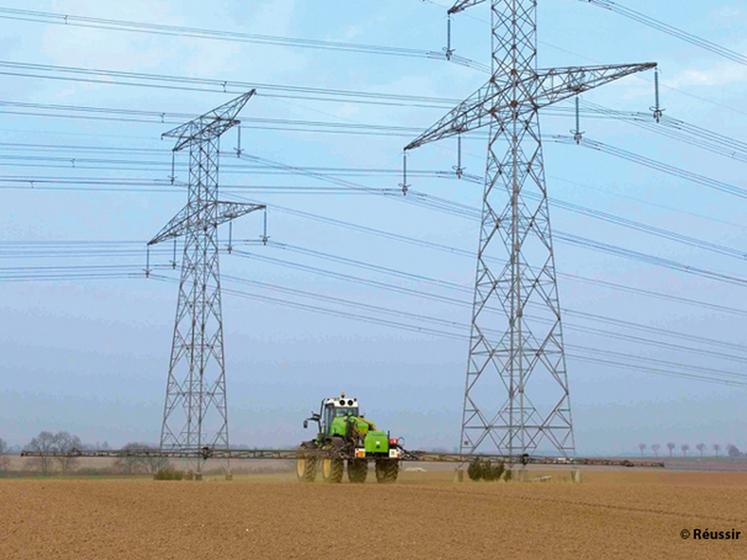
column 612, row 514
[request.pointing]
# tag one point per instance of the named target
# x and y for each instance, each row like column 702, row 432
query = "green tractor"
column 345, row 436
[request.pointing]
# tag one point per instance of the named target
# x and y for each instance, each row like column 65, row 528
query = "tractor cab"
column 331, row 408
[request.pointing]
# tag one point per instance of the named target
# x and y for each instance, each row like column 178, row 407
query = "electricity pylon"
column 512, row 354
column 195, row 413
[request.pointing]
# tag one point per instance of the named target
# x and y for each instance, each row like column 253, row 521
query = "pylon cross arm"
column 463, row 5
column 498, row 103
column 211, row 214
column 210, row 125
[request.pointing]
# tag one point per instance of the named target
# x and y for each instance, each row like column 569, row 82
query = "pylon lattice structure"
column 516, row 392
column 195, row 413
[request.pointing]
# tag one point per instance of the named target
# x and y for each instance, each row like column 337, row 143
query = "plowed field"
column 612, row 514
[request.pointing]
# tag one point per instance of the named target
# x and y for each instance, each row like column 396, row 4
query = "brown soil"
column 612, row 514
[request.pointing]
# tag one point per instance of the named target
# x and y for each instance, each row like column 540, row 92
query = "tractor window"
column 344, row 411
column 331, row 412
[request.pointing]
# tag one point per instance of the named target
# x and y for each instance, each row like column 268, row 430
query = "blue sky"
column 91, row 356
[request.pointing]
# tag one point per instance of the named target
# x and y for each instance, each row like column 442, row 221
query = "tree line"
column 731, row 450
column 51, row 448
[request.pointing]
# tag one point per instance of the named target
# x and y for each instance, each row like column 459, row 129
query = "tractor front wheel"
column 387, row 470
column 357, row 470
column 306, row 469
column 332, row 469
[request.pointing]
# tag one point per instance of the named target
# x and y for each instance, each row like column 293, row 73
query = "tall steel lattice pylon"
column 516, row 393
column 195, row 413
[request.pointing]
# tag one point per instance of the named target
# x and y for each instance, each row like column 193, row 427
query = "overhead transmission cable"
column 714, row 184
column 709, row 375
column 88, row 248
column 667, row 126
column 440, row 283
column 597, row 61
column 664, row 27
column 44, row 272
column 719, row 143
column 388, row 286
column 185, row 83
column 437, row 204
column 725, row 378
column 675, row 129
column 70, row 20
column 352, row 226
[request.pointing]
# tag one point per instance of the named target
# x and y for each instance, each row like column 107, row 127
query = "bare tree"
column 132, row 464
column 129, row 464
column 156, row 463
column 49, row 445
column 4, row 459
column 655, row 448
column 685, row 448
column 701, row 448
column 716, row 448
column 671, row 447
column 642, row 447
column 44, row 445
column 65, row 443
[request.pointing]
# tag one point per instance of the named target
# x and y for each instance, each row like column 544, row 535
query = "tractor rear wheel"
column 387, row 470
column 357, row 470
column 332, row 469
column 306, row 468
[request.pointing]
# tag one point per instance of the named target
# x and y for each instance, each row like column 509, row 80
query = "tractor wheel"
column 306, row 469
column 332, row 469
column 357, row 470
column 387, row 470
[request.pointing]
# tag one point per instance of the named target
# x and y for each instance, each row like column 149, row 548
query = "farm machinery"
column 346, row 440
column 345, row 436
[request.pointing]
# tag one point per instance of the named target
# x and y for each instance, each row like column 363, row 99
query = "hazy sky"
column 91, row 356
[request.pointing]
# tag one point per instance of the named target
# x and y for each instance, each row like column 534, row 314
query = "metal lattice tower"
column 195, row 413
column 516, row 392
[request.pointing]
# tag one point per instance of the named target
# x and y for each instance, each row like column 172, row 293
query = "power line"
column 466, row 253
column 717, row 143
column 419, row 277
column 649, row 361
column 434, row 203
column 280, row 189
column 686, row 36
column 444, row 322
column 651, row 259
column 646, row 202
column 653, row 371
column 447, row 249
column 709, row 376
column 708, row 182
column 669, row 127
column 595, row 60
column 672, row 128
column 69, row 20
column 53, row 272
column 413, row 197
column 662, row 296
column 634, row 117
column 676, row 129
column 436, row 332
column 59, row 277
column 388, row 286
column 601, row 247
column 184, row 83
column 78, row 162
